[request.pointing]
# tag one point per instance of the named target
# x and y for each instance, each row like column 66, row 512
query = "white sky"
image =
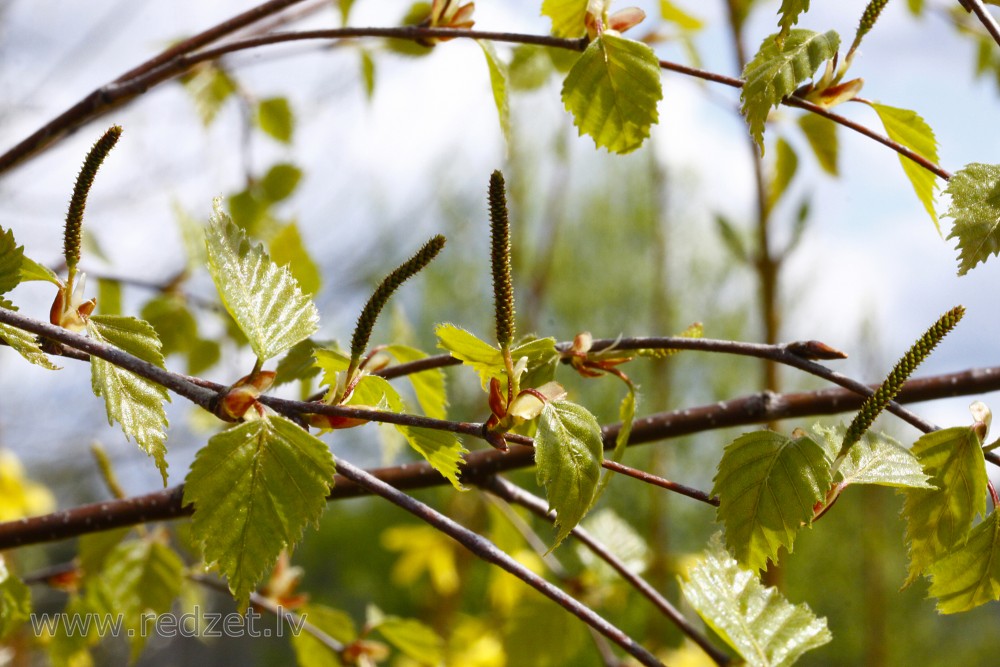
column 871, row 254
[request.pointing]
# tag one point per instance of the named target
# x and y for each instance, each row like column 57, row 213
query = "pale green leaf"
column 568, row 17
column 568, row 455
column 298, row 364
column 612, row 92
column 309, row 651
column 25, row 344
column 499, row 84
column 530, row 67
column 280, row 182
column 15, row 601
column 789, row 11
column 876, row 459
column 975, row 207
column 776, row 71
column 442, row 449
column 274, row 115
column 626, row 415
column 939, row 519
column 412, row 638
column 255, row 488
column 32, row 270
column 109, row 296
column 94, row 549
column 909, row 129
column 682, row 19
column 11, row 261
column 331, row 362
column 209, row 86
column 288, row 250
column 767, row 485
column 487, row 360
column 785, row 165
column 423, row 552
column 620, row 538
column 264, row 299
column 368, row 73
column 970, row 575
column 822, row 137
column 429, row 385
column 133, row 401
column 757, row 621
column 140, row 577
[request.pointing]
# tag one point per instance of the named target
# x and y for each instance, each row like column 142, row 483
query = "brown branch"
column 656, row 480
column 977, row 8
column 486, row 550
column 753, row 409
column 515, row 494
column 179, row 59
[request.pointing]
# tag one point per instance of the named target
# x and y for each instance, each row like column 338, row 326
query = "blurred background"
column 370, row 148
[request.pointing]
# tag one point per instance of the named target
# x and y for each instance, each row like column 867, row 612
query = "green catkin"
column 366, row 321
column 877, row 402
column 503, row 287
column 73, row 232
column 868, row 19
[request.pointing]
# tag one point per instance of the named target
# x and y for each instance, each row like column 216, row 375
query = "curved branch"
column 753, row 409
column 486, row 550
column 179, row 59
column 515, row 494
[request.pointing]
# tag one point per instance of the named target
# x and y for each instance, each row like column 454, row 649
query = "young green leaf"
column 298, row 364
column 309, row 651
column 568, row 17
column 209, row 86
column 423, row 552
column 499, row 84
column 975, row 207
column 568, row 455
column 612, row 92
column 789, row 11
column 442, row 449
column 785, row 166
column 876, row 459
column 25, row 344
column 280, row 182
column 626, row 415
column 429, row 385
column 757, row 621
column 970, row 575
column 412, row 638
column 288, row 250
column 939, row 519
column 32, row 270
column 141, row 576
column 909, row 129
column 822, row 137
column 255, row 487
column 368, row 72
column 274, row 115
column 134, row 402
column 487, row 360
column 776, row 71
column 671, row 13
column 767, row 485
column 264, row 299
column 15, row 601
column 11, row 261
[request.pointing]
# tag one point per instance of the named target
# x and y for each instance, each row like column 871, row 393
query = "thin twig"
column 174, row 62
column 656, row 480
column 515, row 494
column 753, row 409
column 290, row 617
column 486, row 550
column 984, row 17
